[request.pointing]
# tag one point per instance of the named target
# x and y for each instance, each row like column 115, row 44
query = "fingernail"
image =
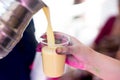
column 59, row 50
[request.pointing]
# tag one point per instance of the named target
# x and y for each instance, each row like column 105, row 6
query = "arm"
column 103, row 66
column 82, row 57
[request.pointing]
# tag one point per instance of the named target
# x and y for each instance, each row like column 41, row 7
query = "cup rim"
column 41, row 40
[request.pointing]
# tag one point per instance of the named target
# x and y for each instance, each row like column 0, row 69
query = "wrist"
column 83, row 56
column 92, row 62
column 88, row 56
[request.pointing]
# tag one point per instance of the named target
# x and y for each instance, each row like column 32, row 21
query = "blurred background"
column 80, row 18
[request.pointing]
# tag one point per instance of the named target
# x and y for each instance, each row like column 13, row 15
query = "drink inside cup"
column 53, row 63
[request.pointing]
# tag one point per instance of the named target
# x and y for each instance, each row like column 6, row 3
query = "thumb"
column 64, row 50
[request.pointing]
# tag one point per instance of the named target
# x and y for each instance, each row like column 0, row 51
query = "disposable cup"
column 53, row 63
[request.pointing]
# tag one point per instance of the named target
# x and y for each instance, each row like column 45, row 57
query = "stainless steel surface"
column 14, row 18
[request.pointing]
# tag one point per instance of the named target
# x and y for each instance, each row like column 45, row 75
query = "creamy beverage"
column 53, row 64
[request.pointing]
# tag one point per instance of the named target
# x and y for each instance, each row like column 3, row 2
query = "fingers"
column 74, row 62
column 44, row 36
column 39, row 47
column 64, row 50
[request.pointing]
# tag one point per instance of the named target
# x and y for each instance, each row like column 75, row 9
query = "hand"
column 75, row 50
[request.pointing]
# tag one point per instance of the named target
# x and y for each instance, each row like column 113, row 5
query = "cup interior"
column 60, row 39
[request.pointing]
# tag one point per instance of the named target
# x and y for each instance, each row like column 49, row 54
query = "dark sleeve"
column 28, row 43
column 15, row 66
